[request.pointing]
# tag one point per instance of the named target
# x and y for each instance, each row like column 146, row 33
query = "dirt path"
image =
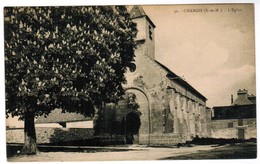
column 229, row 151
column 133, row 154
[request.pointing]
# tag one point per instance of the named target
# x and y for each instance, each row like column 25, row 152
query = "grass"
column 230, row 151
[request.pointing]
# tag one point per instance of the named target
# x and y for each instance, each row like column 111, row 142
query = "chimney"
column 242, row 98
column 242, row 93
column 231, row 99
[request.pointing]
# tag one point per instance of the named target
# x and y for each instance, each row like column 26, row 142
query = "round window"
column 132, row 67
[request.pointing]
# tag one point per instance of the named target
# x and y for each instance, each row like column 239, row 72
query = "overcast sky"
column 214, row 51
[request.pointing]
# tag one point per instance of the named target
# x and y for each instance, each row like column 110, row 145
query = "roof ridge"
column 179, row 80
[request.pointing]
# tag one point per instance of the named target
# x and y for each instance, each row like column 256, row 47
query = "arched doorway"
column 143, row 136
column 131, row 124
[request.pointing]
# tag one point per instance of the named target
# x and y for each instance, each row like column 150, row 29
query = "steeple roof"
column 137, row 11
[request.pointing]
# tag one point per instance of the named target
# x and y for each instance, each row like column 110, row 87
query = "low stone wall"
column 220, row 128
column 51, row 135
column 227, row 133
column 14, row 136
column 161, row 139
column 250, row 132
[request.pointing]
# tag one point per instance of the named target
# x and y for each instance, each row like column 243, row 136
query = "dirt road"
column 133, row 153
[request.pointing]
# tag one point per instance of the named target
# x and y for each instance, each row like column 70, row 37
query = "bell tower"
column 145, row 36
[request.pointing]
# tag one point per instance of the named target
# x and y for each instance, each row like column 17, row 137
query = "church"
column 159, row 106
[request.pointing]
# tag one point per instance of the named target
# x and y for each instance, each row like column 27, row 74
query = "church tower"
column 145, row 36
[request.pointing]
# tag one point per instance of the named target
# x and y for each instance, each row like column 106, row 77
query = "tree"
column 73, row 58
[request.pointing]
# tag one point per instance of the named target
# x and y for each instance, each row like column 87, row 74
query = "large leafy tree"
column 72, row 58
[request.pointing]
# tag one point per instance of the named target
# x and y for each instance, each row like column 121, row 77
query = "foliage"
column 72, row 58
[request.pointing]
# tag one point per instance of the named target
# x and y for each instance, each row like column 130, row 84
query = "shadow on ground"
column 225, row 149
column 231, row 151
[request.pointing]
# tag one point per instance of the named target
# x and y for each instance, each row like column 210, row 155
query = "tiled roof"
column 242, row 101
column 234, row 112
column 57, row 116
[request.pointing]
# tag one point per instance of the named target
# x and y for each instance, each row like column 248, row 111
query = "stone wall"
column 228, row 128
column 161, row 139
column 51, row 135
column 224, row 133
column 14, row 136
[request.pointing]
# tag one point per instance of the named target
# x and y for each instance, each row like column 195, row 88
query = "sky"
column 213, row 51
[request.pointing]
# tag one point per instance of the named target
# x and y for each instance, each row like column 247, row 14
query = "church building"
column 159, row 106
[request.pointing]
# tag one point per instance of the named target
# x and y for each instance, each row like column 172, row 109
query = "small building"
column 159, row 106
column 237, row 120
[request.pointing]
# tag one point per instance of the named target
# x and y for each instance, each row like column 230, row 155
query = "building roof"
column 242, row 98
column 234, row 112
column 176, row 79
column 57, row 116
column 242, row 101
column 252, row 98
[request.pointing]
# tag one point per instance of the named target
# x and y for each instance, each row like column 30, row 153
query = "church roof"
column 175, row 78
column 57, row 116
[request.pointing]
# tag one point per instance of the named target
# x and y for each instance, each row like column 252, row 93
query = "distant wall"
column 229, row 128
column 50, row 135
column 161, row 139
column 76, row 124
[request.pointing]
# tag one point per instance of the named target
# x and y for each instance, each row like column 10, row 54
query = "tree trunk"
column 30, row 146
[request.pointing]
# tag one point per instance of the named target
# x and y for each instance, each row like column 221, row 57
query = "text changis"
column 192, row 10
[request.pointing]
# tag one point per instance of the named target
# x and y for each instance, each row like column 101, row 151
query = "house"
column 237, row 120
column 159, row 106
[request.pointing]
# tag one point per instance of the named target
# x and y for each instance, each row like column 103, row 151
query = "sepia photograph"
column 130, row 82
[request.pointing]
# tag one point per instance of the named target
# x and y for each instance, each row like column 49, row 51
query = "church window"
column 150, row 33
column 132, row 67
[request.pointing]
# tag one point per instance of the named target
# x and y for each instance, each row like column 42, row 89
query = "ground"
column 137, row 152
